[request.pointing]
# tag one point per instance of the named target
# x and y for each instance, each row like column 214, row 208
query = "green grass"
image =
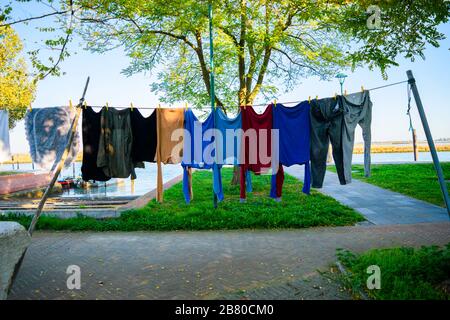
column 297, row 210
column 406, row 273
column 415, row 180
column 8, row 173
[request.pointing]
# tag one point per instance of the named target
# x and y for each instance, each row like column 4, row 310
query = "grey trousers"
column 357, row 111
column 327, row 123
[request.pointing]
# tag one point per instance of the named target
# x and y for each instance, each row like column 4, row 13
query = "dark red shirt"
column 256, row 143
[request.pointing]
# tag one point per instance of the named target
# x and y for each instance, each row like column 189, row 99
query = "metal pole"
column 431, row 145
column 58, row 169
column 211, row 63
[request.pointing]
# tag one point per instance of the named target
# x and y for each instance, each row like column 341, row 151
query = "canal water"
column 146, row 178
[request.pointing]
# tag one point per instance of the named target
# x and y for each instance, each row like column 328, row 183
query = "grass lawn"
column 8, row 173
column 415, row 180
column 297, row 210
column 406, row 273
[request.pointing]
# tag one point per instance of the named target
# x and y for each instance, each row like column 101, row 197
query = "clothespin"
column 317, row 97
column 335, row 96
column 275, row 103
column 245, row 107
column 345, row 93
column 309, row 99
column 70, row 104
column 131, row 106
column 362, row 89
column 159, row 105
column 84, row 104
column 31, row 108
column 185, row 106
column 107, row 106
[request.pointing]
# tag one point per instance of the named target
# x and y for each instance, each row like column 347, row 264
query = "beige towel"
column 169, row 149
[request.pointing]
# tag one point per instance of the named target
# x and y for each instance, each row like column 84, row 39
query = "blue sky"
column 389, row 105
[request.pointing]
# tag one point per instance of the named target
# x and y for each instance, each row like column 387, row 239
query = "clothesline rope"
column 254, row 105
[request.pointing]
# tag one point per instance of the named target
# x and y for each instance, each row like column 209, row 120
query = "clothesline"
column 254, row 105
column 265, row 104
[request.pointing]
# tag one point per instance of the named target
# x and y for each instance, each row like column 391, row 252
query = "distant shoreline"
column 358, row 149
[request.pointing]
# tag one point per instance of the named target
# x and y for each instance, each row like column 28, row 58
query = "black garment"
column 115, row 144
column 91, row 137
column 327, row 122
column 144, row 137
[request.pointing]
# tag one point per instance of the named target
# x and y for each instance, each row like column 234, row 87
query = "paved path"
column 379, row 206
column 201, row 265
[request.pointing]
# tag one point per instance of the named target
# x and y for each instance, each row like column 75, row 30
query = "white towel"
column 5, row 153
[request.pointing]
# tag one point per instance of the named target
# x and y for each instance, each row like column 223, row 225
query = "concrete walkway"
column 379, row 206
column 202, row 265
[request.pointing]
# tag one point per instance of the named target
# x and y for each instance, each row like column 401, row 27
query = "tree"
column 261, row 46
column 16, row 89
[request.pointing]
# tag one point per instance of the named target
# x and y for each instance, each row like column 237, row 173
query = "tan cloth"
column 167, row 121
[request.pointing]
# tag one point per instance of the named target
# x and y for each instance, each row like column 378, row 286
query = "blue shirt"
column 199, row 150
column 294, row 145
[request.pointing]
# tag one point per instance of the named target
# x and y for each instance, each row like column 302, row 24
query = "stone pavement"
column 203, row 265
column 379, row 206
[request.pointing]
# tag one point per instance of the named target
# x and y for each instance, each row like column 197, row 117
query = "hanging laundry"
column 293, row 124
column 256, row 143
column 199, row 150
column 357, row 111
column 5, row 153
column 144, row 137
column 91, row 138
column 327, row 123
column 47, row 132
column 169, row 149
column 115, row 144
column 231, row 131
column 230, row 152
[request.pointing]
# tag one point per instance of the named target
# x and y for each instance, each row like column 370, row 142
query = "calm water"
column 146, row 178
column 145, row 182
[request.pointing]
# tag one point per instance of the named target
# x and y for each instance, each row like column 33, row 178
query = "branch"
column 66, row 41
column 34, row 18
column 266, row 59
column 295, row 62
column 261, row 74
column 241, row 55
column 231, row 35
column 203, row 67
column 173, row 35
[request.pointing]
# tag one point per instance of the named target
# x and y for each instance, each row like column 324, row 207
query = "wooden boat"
column 67, row 183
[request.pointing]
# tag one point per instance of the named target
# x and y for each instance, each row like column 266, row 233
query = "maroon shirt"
column 256, row 151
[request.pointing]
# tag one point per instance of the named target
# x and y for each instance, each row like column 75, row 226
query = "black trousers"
column 327, row 122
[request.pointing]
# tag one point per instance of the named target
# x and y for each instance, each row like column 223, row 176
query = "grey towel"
column 47, row 131
column 4, row 136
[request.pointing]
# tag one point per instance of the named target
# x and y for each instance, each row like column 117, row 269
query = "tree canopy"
column 16, row 88
column 261, row 47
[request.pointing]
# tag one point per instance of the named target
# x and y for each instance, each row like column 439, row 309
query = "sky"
column 389, row 123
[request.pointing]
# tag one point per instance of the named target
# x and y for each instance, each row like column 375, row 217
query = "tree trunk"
column 236, row 175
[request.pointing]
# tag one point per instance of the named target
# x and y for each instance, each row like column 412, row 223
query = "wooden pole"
column 58, row 169
column 426, row 128
column 52, row 182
